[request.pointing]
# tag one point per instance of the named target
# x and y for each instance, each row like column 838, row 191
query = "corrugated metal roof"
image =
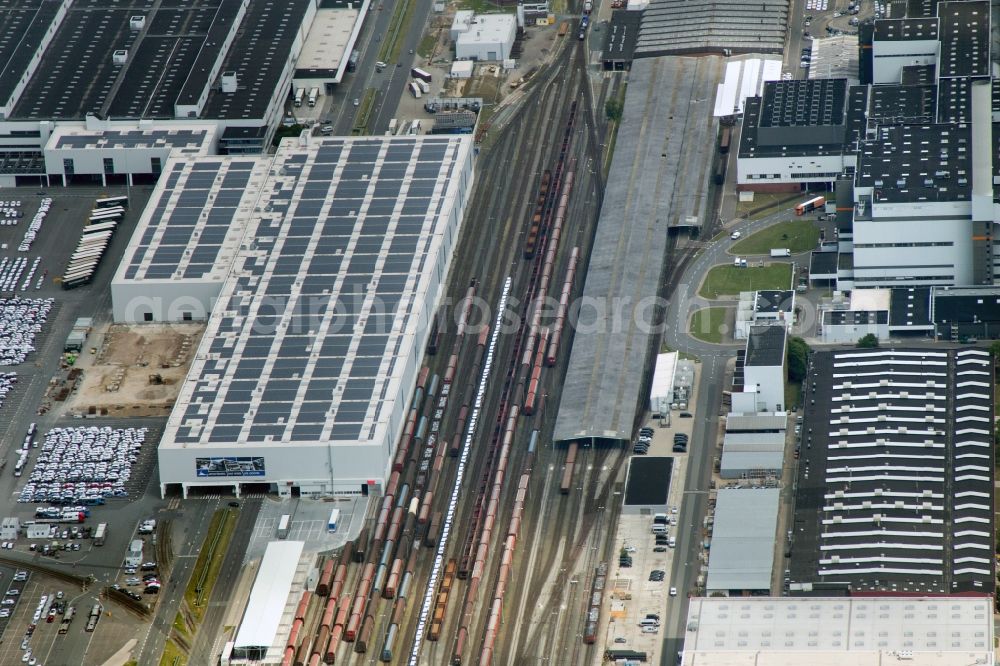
column 743, row 539
column 744, row 422
column 656, row 180
column 269, row 595
column 735, row 463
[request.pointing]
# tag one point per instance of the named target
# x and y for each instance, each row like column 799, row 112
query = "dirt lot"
column 137, row 370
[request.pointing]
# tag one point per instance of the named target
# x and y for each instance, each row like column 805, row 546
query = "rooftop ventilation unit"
column 119, row 57
column 229, row 82
column 137, row 23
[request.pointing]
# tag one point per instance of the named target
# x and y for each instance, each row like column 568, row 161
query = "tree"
column 869, row 341
column 613, row 109
column 798, row 353
column 995, row 351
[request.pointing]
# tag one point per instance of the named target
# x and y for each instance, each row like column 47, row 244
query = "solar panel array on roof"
column 303, row 343
column 128, row 138
column 803, row 103
column 895, row 488
column 192, row 215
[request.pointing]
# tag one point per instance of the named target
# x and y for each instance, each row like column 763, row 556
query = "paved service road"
column 389, row 83
column 683, row 301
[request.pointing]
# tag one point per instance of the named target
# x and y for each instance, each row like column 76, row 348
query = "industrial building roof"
column 766, row 346
column 773, row 301
column 910, row 307
column 965, row 38
column 807, row 117
column 268, row 597
column 823, row 264
column 644, row 195
column 303, row 343
column 807, row 103
column 903, row 103
column 775, row 631
column 855, row 317
column 906, row 29
column 912, row 163
column 259, row 55
column 648, row 481
column 171, row 52
column 195, row 220
column 22, row 28
column 956, row 305
column 328, row 45
column 760, row 422
column 745, row 77
column 186, row 139
column 754, row 441
column 895, row 487
column 734, row 464
column 743, row 539
column 710, row 26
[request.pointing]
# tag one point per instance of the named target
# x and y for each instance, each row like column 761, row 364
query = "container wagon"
column 725, row 136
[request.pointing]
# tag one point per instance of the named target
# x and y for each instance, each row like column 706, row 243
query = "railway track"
column 370, row 612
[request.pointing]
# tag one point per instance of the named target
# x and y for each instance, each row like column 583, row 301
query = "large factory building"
column 317, row 269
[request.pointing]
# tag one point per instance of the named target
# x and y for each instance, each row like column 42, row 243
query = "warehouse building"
column 835, row 631
column 752, row 455
column 153, row 67
column 315, row 337
column 483, row 36
column 895, row 480
column 759, row 380
column 744, row 538
column 267, row 620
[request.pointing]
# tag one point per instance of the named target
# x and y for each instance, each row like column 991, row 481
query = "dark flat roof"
column 621, row 35
column 908, row 163
column 921, row 8
column 765, row 346
column 918, row 75
column 899, row 103
column 965, row 38
column 805, row 103
column 910, row 306
column 648, row 481
column 823, row 263
column 22, row 26
column 168, row 61
column 774, row 300
column 258, row 55
column 854, row 317
column 966, row 305
column 906, row 29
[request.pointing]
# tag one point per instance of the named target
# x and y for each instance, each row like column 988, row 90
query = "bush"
column 869, row 341
column 613, row 109
column 798, row 353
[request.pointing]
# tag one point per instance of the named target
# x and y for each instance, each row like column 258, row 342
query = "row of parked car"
column 84, row 465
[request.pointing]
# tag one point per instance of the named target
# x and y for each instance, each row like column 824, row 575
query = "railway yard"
column 442, row 564
column 488, row 543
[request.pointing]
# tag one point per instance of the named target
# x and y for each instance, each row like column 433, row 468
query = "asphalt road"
column 390, row 83
column 683, row 300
